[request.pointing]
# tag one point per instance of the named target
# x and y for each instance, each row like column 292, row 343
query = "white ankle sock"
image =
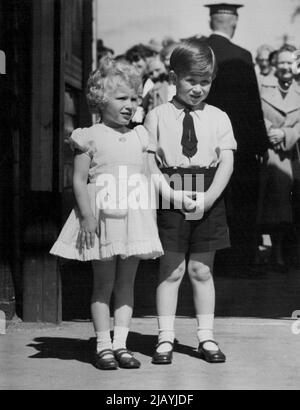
column 120, row 337
column 206, row 330
column 166, row 333
column 103, row 341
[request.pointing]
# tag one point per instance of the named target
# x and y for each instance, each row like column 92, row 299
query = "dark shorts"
column 206, row 235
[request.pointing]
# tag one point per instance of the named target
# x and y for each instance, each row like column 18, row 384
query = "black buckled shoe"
column 126, row 362
column 163, row 358
column 211, row 356
column 105, row 360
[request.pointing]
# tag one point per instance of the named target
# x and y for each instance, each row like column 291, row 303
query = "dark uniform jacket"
column 235, row 91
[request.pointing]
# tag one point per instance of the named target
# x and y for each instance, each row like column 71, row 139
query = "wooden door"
column 61, row 61
column 77, row 63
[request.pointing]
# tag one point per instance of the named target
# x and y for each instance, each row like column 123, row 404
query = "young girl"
column 189, row 137
column 103, row 228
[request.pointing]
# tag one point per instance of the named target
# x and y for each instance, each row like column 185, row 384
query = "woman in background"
column 280, row 196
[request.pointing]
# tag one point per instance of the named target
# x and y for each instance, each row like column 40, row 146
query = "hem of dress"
column 106, row 252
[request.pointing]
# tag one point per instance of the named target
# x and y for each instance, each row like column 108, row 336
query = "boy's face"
column 192, row 88
column 120, row 107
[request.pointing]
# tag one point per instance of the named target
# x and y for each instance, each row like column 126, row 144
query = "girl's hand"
column 276, row 136
column 204, row 202
column 89, row 228
column 197, row 213
column 184, row 200
column 189, row 201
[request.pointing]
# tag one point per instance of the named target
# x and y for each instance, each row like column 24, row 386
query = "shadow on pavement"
column 82, row 350
column 63, row 349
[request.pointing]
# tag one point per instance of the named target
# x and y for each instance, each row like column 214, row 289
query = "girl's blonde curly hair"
column 107, row 78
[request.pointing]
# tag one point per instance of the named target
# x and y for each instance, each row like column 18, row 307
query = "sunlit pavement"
column 262, row 354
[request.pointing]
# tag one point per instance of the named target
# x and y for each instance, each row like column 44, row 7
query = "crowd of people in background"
column 279, row 191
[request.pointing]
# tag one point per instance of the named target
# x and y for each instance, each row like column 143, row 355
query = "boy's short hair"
column 107, row 77
column 193, row 56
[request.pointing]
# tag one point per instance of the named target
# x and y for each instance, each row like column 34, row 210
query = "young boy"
column 189, row 137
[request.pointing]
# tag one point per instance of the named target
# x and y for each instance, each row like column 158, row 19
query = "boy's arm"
column 221, row 179
column 179, row 198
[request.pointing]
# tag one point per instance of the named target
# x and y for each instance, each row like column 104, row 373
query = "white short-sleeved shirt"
column 213, row 130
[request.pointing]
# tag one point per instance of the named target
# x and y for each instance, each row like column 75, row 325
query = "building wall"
column 14, row 140
column 62, row 59
column 48, row 44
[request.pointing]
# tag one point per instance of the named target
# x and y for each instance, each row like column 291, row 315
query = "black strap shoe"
column 163, row 358
column 211, row 356
column 105, row 360
column 126, row 362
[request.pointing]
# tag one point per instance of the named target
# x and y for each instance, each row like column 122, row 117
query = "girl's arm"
column 180, row 199
column 221, row 179
column 89, row 225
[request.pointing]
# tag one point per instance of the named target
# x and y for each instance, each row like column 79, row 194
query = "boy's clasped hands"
column 193, row 204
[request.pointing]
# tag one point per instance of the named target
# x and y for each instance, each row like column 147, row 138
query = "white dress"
column 126, row 230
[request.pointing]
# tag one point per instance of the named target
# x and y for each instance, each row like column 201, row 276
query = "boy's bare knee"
column 199, row 272
column 177, row 275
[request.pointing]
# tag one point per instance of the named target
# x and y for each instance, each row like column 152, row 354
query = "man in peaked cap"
column 224, row 8
column 235, row 91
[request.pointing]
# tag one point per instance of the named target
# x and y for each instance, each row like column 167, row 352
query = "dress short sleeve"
column 151, row 125
column 225, row 134
column 82, row 140
column 143, row 136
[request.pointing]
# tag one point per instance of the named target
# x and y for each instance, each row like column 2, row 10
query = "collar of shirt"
column 220, row 33
column 180, row 111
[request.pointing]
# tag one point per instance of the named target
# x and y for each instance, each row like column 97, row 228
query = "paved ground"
column 262, row 354
column 253, row 327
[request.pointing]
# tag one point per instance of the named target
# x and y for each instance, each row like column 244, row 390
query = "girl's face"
column 120, row 107
column 192, row 88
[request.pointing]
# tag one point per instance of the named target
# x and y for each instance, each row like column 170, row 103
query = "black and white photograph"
column 149, row 198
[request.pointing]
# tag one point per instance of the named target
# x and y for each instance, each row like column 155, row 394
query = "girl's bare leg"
column 124, row 300
column 104, row 278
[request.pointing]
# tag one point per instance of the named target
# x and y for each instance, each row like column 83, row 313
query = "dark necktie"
column 189, row 140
